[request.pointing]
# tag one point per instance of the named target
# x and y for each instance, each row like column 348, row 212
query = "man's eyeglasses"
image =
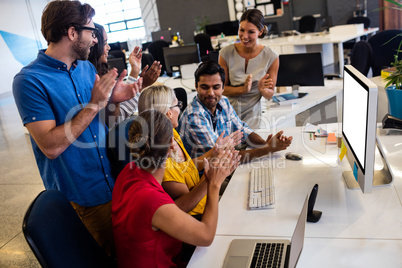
column 94, row 30
column 179, row 104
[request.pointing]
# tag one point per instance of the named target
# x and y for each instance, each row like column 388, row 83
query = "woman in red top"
column 147, row 225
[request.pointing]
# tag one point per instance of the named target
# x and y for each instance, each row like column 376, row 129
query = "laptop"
column 243, row 253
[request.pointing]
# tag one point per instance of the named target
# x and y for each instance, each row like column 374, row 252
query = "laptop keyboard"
column 262, row 190
column 267, row 255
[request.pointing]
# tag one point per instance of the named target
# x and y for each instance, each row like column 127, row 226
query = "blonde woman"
column 181, row 179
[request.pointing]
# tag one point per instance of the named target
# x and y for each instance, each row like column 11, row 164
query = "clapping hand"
column 278, row 142
column 266, row 86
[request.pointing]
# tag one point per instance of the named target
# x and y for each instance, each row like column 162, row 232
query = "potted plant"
column 393, row 85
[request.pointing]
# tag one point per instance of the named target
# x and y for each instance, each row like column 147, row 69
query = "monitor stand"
column 381, row 177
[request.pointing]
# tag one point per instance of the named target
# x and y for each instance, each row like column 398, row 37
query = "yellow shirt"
column 185, row 172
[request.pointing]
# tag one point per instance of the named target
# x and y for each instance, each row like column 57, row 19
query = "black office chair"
column 57, row 236
column 356, row 20
column 147, row 59
column 204, row 45
column 384, row 45
column 118, row 148
column 307, row 24
column 156, row 49
column 181, row 95
column 361, row 57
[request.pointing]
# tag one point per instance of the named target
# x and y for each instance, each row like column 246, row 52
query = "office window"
column 122, row 19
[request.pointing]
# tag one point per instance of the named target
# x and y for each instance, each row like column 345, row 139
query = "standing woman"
column 251, row 69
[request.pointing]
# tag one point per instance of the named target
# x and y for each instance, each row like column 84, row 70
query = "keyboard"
column 267, row 255
column 262, row 190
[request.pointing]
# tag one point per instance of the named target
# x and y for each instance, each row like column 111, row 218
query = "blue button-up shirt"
column 47, row 90
column 199, row 128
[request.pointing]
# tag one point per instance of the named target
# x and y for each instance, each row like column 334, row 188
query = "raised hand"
column 266, row 86
column 248, row 83
column 218, row 167
column 102, row 89
column 278, row 142
column 149, row 75
column 122, row 92
column 135, row 61
column 230, row 141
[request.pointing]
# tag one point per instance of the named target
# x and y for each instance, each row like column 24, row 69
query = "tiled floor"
column 20, row 182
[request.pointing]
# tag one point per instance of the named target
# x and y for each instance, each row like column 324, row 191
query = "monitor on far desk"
column 303, row 69
column 180, row 55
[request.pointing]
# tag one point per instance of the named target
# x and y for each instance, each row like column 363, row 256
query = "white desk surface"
column 274, row 115
column 315, row 38
column 356, row 229
column 317, row 252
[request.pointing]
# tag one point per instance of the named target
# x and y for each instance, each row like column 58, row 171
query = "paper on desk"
column 310, row 128
column 321, row 132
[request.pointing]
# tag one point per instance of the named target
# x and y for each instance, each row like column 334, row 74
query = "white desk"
column 356, row 229
column 274, row 116
column 330, row 44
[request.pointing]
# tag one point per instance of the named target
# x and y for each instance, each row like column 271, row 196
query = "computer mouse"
column 293, row 156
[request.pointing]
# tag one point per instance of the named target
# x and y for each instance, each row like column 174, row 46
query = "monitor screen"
column 214, row 29
column 165, row 35
column 359, row 128
column 356, row 115
column 304, row 69
column 180, row 55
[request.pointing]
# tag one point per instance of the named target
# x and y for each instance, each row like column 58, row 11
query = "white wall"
column 20, row 37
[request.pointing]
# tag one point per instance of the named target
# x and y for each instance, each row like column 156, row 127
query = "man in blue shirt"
column 210, row 113
column 63, row 103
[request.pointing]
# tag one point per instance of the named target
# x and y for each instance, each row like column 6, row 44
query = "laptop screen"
column 296, row 244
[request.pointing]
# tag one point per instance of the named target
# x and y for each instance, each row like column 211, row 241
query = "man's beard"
column 81, row 49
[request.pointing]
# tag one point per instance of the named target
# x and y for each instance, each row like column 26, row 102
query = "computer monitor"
column 165, row 35
column 230, row 27
column 180, row 55
column 214, row 29
column 303, row 69
column 359, row 127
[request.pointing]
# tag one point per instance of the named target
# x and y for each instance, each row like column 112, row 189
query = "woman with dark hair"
column 98, row 57
column 147, row 225
column 251, row 69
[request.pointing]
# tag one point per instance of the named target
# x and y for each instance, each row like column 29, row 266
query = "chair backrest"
column 181, row 95
column 57, row 236
column 147, row 59
column 384, row 45
column 156, row 49
column 361, row 57
column 118, row 149
column 204, row 43
column 356, row 20
column 307, row 24
column 118, row 63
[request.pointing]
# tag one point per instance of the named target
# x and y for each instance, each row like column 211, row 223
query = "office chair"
column 356, row 20
column 204, row 45
column 156, row 49
column 117, row 63
column 118, row 148
column 57, row 236
column 361, row 56
column 384, row 49
column 181, row 95
column 147, row 59
column 307, row 24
